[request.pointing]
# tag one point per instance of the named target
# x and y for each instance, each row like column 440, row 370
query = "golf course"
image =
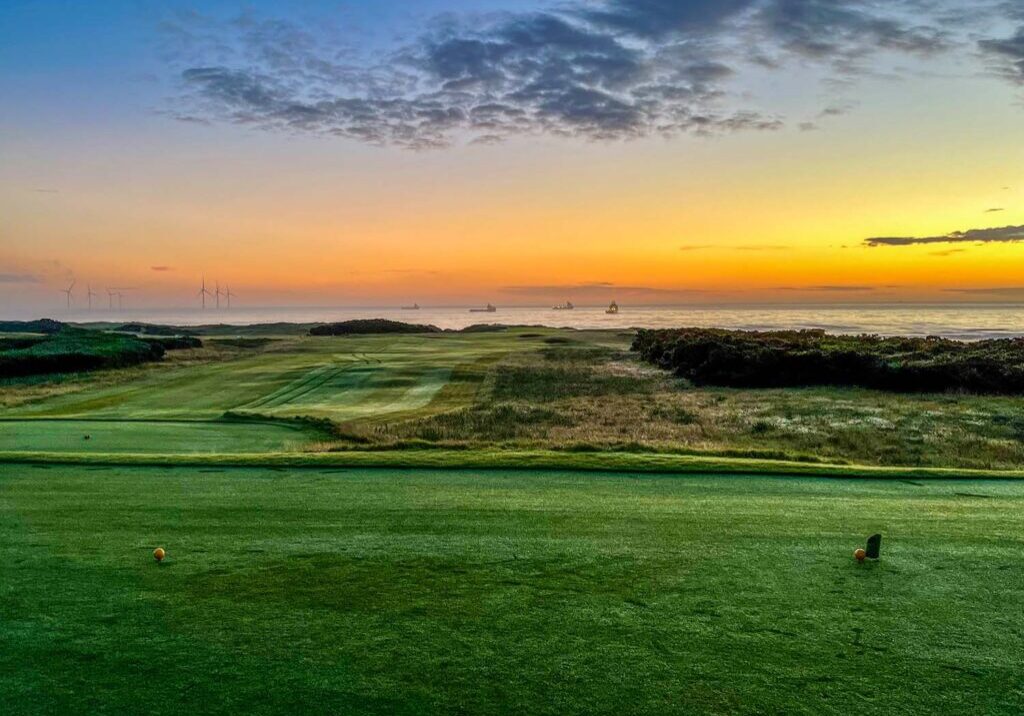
column 524, row 520
column 438, row 591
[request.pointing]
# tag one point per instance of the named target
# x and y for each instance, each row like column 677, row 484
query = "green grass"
column 341, row 379
column 524, row 390
column 126, row 436
column 356, row 591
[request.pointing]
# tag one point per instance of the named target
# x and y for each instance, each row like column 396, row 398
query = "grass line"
column 514, row 460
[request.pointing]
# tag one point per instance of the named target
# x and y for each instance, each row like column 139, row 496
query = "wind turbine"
column 216, row 292
column 90, row 293
column 67, row 291
column 203, row 293
column 110, row 299
column 228, row 293
column 119, row 297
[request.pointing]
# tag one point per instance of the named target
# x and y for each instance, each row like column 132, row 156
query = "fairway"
column 505, row 592
column 341, row 379
column 147, row 436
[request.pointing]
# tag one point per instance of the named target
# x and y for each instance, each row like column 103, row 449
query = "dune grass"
column 387, row 592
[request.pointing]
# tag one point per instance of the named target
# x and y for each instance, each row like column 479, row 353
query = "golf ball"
column 859, row 554
column 159, row 554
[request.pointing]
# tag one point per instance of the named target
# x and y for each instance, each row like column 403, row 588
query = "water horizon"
column 973, row 321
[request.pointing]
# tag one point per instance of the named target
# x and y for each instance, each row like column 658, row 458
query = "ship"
column 567, row 306
column 613, row 308
column 489, row 309
column 413, row 307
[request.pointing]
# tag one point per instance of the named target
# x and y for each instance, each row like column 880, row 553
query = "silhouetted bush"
column 753, row 359
column 74, row 350
column 370, row 326
column 43, row 325
column 174, row 343
column 154, row 329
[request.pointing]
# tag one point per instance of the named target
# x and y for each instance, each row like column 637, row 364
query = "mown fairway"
column 459, row 592
column 340, row 379
column 148, row 436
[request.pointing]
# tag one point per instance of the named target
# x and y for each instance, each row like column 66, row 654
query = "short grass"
column 420, row 592
column 340, row 379
column 100, row 436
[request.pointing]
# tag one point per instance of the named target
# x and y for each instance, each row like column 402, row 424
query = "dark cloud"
column 1005, row 235
column 997, row 291
column 947, row 252
column 993, row 210
column 660, row 18
column 605, row 69
column 18, row 278
column 1007, row 55
column 846, row 30
column 161, row 268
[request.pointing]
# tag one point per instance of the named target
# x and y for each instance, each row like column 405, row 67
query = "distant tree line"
column 755, row 359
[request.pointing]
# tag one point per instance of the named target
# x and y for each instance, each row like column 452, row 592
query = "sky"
column 520, row 152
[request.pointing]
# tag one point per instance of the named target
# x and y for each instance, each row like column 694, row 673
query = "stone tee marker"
column 874, row 546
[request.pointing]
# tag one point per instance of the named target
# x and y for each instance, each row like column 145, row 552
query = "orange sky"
column 142, row 202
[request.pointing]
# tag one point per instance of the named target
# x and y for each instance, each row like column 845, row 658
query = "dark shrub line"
column 754, row 359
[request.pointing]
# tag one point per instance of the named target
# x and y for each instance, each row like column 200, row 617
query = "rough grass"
column 480, row 593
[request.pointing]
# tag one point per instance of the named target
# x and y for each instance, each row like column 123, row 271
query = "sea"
column 959, row 321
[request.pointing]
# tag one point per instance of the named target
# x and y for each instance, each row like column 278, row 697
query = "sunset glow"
column 122, row 170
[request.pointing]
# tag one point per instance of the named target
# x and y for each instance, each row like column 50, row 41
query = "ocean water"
column 967, row 322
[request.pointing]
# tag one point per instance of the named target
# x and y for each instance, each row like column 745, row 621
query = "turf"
column 364, row 591
column 340, row 379
column 99, row 436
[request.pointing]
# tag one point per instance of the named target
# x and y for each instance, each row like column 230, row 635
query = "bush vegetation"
column 370, row 326
column 154, row 329
column 752, row 359
column 74, row 350
column 43, row 325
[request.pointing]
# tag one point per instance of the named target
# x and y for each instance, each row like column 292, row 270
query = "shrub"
column 74, row 350
column 755, row 359
column 370, row 326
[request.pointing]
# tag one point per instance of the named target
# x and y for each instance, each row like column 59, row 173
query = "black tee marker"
column 874, row 546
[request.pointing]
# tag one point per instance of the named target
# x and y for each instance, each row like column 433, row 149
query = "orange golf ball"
column 859, row 554
column 159, row 554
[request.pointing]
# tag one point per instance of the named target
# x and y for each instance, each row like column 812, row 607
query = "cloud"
column 997, row 291
column 1006, row 56
column 994, row 210
column 18, row 278
column 599, row 290
column 1005, row 235
column 829, row 289
column 161, row 268
column 598, row 70
column 946, row 252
